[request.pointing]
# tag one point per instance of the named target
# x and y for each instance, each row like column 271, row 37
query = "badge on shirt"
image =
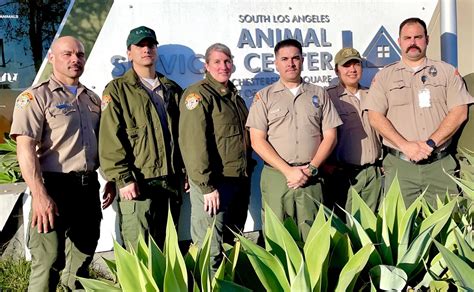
column 106, row 99
column 315, row 100
column 424, row 98
column 433, row 71
column 64, row 106
column 23, row 100
column 192, row 101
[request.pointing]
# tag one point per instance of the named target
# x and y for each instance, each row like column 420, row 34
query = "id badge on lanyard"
column 424, row 98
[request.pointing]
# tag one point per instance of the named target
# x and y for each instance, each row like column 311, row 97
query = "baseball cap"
column 345, row 55
column 140, row 33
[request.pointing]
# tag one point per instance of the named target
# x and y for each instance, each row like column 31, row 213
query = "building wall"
column 465, row 30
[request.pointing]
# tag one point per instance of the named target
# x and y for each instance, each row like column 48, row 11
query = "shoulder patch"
column 256, row 98
column 106, row 99
column 373, row 81
column 23, row 100
column 192, row 101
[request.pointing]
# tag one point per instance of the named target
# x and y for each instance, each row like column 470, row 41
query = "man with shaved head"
column 55, row 124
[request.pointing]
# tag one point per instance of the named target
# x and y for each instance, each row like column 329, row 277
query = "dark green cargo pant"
column 148, row 214
column 367, row 181
column 70, row 246
column 234, row 194
column 415, row 178
column 299, row 204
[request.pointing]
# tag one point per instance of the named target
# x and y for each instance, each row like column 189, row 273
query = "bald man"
column 55, row 124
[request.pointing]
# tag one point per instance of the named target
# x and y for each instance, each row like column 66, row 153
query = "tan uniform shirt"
column 294, row 125
column 357, row 141
column 396, row 91
column 65, row 126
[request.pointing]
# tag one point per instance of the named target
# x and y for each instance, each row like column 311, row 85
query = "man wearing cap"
column 55, row 125
column 353, row 161
column 293, row 128
column 138, row 141
column 417, row 104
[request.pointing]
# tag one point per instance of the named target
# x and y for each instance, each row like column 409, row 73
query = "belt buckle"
column 84, row 178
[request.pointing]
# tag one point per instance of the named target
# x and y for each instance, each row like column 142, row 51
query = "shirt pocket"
column 399, row 94
column 437, row 90
column 138, row 137
column 311, row 121
column 94, row 111
column 229, row 141
column 60, row 115
column 277, row 115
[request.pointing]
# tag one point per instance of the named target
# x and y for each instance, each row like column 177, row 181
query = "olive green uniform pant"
column 367, row 181
column 148, row 213
column 415, row 178
column 466, row 168
column 234, row 194
column 299, row 204
column 70, row 246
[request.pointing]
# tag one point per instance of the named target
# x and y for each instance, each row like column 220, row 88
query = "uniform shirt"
column 212, row 135
column 395, row 93
column 64, row 125
column 357, row 141
column 466, row 135
column 293, row 124
column 156, row 93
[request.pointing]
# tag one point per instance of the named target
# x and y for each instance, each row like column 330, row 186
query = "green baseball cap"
column 140, row 33
column 345, row 55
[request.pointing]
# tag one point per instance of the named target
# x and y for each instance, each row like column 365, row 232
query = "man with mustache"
column 138, row 142
column 417, row 105
column 55, row 125
column 293, row 129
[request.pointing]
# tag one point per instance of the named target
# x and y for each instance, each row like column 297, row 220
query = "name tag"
column 424, row 98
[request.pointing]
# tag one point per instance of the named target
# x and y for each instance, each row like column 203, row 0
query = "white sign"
column 251, row 29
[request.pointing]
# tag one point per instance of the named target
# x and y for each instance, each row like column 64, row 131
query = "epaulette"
column 330, row 87
column 40, row 84
column 391, row 64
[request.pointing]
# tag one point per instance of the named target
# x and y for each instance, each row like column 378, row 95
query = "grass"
column 14, row 274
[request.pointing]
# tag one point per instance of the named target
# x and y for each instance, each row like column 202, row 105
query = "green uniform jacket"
column 212, row 135
column 131, row 146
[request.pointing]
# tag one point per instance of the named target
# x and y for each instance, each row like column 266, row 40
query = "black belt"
column 291, row 164
column 83, row 178
column 432, row 158
column 355, row 167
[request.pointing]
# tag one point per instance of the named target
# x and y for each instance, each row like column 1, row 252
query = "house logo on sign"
column 382, row 50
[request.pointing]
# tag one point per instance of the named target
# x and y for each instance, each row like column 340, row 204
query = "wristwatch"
column 313, row 170
column 431, row 143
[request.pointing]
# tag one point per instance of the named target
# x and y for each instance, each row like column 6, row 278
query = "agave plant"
column 9, row 167
column 149, row 269
column 402, row 237
column 383, row 251
column 283, row 266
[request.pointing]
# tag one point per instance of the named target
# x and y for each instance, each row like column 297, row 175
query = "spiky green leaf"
column 461, row 272
column 268, row 268
column 281, row 243
column 351, row 270
column 388, row 278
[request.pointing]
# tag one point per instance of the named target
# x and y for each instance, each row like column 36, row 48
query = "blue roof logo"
column 382, row 50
